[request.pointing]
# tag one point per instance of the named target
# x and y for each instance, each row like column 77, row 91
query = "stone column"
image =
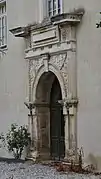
column 67, row 130
column 69, row 111
column 29, row 130
column 73, row 129
column 30, row 127
column 72, row 89
column 29, row 124
column 33, row 129
column 66, row 137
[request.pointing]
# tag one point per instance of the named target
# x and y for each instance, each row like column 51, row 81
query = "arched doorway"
column 50, row 116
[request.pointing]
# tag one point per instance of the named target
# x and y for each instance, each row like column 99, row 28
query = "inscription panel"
column 44, row 36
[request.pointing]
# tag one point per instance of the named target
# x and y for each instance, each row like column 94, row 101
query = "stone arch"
column 42, row 90
column 56, row 72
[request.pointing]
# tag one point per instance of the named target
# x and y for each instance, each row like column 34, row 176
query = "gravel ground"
column 36, row 171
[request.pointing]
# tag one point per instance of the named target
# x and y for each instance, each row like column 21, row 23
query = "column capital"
column 69, row 102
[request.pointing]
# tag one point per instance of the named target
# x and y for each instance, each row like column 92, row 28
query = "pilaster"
column 70, row 111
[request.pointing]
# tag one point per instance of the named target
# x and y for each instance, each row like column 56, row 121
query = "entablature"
column 59, row 33
column 55, row 49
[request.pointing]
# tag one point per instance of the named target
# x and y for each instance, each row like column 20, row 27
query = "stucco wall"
column 14, row 69
column 88, row 76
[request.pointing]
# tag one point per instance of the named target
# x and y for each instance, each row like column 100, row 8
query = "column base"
column 70, row 156
column 37, row 156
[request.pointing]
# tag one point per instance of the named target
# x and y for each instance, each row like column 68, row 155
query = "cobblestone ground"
column 36, row 171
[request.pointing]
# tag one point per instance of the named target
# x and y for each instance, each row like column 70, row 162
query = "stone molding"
column 61, row 62
column 30, row 53
column 57, row 74
column 72, row 18
column 69, row 102
column 58, row 62
column 20, row 31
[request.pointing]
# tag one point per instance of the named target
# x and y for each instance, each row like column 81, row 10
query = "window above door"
column 54, row 7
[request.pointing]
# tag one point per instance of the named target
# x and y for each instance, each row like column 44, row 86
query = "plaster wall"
column 14, row 68
column 88, row 78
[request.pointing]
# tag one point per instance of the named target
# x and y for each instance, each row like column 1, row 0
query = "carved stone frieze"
column 38, row 63
column 64, row 72
column 65, row 33
column 61, row 62
column 58, row 60
column 35, row 65
column 32, row 71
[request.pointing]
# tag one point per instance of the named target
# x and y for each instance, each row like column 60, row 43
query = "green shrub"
column 16, row 139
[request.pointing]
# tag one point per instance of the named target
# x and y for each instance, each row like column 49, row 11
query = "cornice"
column 19, row 31
column 72, row 18
column 67, row 18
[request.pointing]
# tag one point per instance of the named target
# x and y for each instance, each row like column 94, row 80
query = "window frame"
column 57, row 8
column 3, row 15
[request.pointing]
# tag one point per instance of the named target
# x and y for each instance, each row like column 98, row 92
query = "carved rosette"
column 61, row 63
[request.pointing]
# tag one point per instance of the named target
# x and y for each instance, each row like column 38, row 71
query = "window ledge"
column 70, row 18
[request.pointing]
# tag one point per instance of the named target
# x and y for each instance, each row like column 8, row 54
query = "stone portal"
column 52, row 61
column 50, row 141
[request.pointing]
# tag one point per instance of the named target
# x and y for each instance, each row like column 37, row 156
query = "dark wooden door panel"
column 56, row 122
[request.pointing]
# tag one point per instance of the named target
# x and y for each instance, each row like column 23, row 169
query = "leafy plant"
column 16, row 139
